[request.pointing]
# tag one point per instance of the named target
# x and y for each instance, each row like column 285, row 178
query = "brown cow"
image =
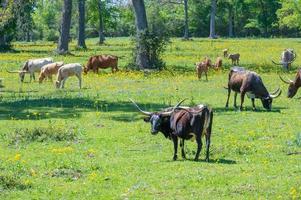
column 103, row 62
column 293, row 85
column 203, row 67
column 49, row 70
column 235, row 58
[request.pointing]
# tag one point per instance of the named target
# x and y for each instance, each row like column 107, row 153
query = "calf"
column 203, row 67
column 73, row 69
column 103, row 62
column 218, row 63
column 247, row 82
column 294, row 85
column 182, row 123
column 32, row 66
column 225, row 52
column 234, row 58
column 49, row 70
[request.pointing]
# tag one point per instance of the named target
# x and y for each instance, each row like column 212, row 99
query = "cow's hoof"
column 175, row 157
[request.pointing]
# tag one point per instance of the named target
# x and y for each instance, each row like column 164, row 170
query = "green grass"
column 111, row 153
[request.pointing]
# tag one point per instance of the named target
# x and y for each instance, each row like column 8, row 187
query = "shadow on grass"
column 275, row 109
column 211, row 161
column 44, row 108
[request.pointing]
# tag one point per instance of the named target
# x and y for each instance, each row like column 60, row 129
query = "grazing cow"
column 182, row 123
column 218, row 63
column 103, row 62
column 225, row 52
column 73, row 69
column 247, row 82
column 203, row 67
column 294, row 85
column 32, row 66
column 49, row 70
column 288, row 56
column 234, row 58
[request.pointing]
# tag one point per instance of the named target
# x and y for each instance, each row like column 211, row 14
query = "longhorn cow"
column 182, row 123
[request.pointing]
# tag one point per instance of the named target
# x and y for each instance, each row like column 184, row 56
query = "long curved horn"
column 287, row 82
column 142, row 111
column 174, row 108
column 12, row 71
column 273, row 96
column 275, row 92
column 276, row 63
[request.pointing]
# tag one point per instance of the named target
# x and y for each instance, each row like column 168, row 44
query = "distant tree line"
column 41, row 19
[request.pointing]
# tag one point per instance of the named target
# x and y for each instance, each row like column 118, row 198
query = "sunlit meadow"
column 93, row 144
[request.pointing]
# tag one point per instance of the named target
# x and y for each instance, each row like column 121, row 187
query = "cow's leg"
column 182, row 148
column 253, row 103
column 235, row 97
column 229, row 92
column 50, row 78
column 33, row 76
column 79, row 80
column 208, row 135
column 175, row 144
column 242, row 98
column 200, row 144
column 206, row 76
column 63, row 83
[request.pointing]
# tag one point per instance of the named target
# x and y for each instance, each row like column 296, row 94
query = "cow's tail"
column 208, row 121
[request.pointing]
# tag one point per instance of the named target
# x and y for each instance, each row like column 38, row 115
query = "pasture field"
column 93, row 144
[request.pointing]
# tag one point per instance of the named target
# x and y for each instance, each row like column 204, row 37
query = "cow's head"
column 267, row 101
column 157, row 119
column 292, row 87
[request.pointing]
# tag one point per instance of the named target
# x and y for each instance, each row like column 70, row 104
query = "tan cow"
column 49, row 70
column 218, row 63
column 203, row 67
column 73, row 69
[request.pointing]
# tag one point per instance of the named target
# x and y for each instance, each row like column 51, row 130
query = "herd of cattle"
column 178, row 122
column 185, row 123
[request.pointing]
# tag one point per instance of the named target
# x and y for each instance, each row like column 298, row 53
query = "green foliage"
column 43, row 134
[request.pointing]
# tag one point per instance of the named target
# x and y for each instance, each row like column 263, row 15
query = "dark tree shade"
column 101, row 26
column 81, row 24
column 65, row 27
column 142, row 59
column 212, row 19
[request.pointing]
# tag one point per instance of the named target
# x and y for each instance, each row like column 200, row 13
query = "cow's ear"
column 146, row 119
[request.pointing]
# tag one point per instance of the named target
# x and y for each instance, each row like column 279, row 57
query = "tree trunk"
column 186, row 30
column 212, row 19
column 264, row 19
column 101, row 25
column 231, row 20
column 142, row 59
column 81, row 24
column 65, row 28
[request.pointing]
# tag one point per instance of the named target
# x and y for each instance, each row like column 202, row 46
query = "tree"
column 142, row 57
column 212, row 19
column 7, row 22
column 81, row 24
column 65, row 28
column 101, row 25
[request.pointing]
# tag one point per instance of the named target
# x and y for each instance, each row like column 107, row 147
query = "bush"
column 43, row 134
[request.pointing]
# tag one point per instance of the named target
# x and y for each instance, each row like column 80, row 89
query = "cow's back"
column 103, row 61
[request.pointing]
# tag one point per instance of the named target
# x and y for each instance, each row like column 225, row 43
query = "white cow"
column 32, row 66
column 73, row 69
